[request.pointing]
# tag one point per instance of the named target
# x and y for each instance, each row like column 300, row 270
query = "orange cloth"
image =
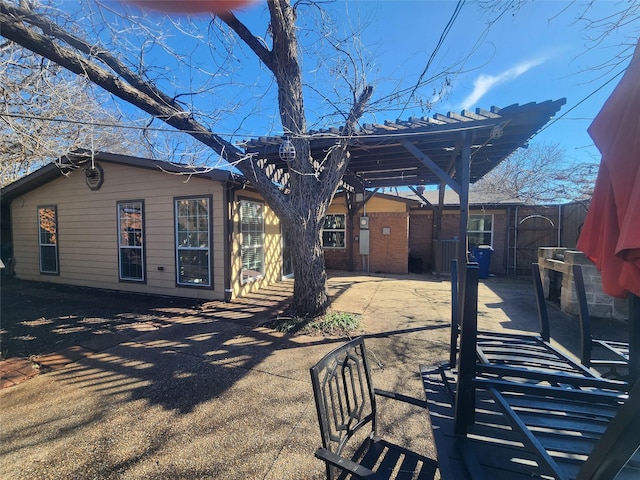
column 610, row 236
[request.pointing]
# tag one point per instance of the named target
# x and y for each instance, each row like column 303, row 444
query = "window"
column 48, row 239
column 193, row 231
column 252, row 230
column 333, row 231
column 131, row 241
column 480, row 230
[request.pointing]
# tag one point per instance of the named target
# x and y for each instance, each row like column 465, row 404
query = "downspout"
column 365, row 257
column 350, row 200
column 229, row 195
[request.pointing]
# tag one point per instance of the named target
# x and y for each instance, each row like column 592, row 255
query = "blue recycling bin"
column 482, row 253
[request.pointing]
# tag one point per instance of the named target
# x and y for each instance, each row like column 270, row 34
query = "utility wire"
column 581, row 101
column 308, row 136
column 101, row 124
column 443, row 36
column 171, row 130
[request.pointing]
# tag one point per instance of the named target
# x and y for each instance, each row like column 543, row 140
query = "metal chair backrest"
column 543, row 315
column 344, row 395
column 585, row 319
column 619, row 442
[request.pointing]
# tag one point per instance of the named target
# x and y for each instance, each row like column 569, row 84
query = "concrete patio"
column 210, row 393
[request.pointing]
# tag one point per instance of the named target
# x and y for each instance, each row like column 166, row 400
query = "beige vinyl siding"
column 375, row 204
column 87, row 229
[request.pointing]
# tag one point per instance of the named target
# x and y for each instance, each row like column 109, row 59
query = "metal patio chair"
column 498, row 352
column 617, row 351
column 346, row 404
column 511, row 422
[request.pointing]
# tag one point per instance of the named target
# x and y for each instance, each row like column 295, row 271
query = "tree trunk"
column 310, row 294
column 301, row 206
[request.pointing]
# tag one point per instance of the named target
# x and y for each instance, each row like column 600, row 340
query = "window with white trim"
column 334, row 232
column 193, row 234
column 252, row 234
column 480, row 230
column 48, row 239
column 131, row 241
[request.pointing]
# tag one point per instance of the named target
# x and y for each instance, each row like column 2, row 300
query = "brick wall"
column 337, row 258
column 388, row 253
column 600, row 304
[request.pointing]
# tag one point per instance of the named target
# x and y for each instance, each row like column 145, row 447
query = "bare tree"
column 302, row 203
column 600, row 30
column 539, row 174
column 46, row 112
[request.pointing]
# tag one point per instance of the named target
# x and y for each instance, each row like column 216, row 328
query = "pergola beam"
column 441, row 174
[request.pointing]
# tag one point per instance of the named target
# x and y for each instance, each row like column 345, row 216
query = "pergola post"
column 463, row 167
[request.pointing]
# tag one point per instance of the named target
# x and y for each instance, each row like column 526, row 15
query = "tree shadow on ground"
column 178, row 375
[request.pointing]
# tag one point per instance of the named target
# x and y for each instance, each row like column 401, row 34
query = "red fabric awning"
column 610, row 236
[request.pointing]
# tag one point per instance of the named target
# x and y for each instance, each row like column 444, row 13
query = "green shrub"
column 332, row 323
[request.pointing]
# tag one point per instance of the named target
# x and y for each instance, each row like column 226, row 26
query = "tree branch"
column 338, row 158
column 287, row 71
column 53, row 30
column 264, row 54
column 148, row 99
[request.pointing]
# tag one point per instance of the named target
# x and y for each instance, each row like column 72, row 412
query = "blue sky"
column 541, row 51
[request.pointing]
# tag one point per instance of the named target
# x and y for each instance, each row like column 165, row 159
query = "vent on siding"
column 94, row 176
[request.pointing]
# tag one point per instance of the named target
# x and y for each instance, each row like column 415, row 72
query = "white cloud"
column 484, row 83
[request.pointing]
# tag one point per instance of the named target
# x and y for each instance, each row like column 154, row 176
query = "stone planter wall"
column 600, row 304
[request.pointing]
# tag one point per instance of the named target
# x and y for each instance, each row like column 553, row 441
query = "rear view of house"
column 138, row 225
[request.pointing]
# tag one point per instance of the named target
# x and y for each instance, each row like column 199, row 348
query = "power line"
column 308, row 136
column 581, row 101
column 172, row 130
column 102, row 124
column 443, row 36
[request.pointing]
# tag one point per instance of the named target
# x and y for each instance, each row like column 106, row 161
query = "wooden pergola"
column 453, row 150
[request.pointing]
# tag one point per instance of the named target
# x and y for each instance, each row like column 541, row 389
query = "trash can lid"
column 485, row 247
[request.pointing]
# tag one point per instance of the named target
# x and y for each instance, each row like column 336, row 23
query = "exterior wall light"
column 496, row 132
column 287, row 151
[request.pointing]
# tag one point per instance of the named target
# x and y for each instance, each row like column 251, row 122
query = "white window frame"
column 251, row 240
column 131, row 241
column 193, row 239
column 330, row 228
column 482, row 232
column 48, row 241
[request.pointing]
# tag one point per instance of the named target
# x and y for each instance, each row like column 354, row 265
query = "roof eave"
column 77, row 158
